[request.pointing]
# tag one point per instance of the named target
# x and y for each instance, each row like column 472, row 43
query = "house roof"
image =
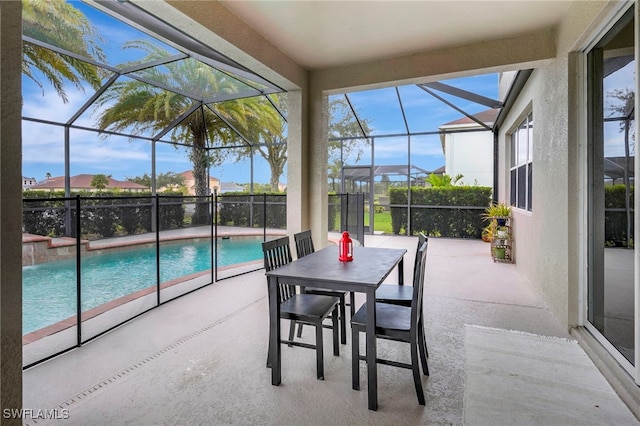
column 230, row 186
column 363, row 173
column 83, row 181
column 188, row 175
column 487, row 116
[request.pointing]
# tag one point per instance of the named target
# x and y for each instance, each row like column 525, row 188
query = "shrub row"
column 244, row 209
column 615, row 217
column 103, row 215
column 446, row 221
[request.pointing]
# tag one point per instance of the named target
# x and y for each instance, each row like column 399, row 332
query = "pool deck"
column 200, row 359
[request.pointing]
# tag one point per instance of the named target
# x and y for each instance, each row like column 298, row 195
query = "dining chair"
column 304, row 246
column 395, row 294
column 310, row 309
column 394, row 322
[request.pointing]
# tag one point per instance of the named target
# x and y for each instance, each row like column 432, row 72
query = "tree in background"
column 342, row 123
column 137, row 106
column 60, row 24
column 168, row 179
column 266, row 133
column 621, row 103
column 100, row 181
column 443, row 181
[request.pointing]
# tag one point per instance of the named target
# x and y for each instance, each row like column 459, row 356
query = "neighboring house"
column 83, row 183
column 230, row 187
column 469, row 153
column 28, row 182
column 190, row 182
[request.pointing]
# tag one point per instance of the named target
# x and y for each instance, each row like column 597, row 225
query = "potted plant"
column 499, row 212
column 502, row 232
column 487, row 234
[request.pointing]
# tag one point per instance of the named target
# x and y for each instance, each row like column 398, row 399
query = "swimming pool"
column 49, row 289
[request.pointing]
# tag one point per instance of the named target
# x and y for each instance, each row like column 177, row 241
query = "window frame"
column 521, row 164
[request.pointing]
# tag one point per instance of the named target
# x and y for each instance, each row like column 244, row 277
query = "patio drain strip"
column 139, row 364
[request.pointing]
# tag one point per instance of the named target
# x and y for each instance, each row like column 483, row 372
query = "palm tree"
column 139, row 107
column 58, row 23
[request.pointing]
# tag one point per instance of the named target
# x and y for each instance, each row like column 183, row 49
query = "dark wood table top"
column 369, row 267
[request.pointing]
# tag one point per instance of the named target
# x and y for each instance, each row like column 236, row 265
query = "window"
column 521, row 164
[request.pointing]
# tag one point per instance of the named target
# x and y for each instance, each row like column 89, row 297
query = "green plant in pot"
column 499, row 212
column 500, row 252
column 487, row 233
column 502, row 232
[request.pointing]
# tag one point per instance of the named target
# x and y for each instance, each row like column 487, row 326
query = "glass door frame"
column 586, row 133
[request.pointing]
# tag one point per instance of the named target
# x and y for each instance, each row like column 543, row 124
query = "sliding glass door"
column 611, row 163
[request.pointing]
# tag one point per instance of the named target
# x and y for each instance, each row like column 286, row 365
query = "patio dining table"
column 368, row 269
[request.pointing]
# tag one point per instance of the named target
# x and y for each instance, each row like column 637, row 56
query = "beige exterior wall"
column 471, row 155
column 546, row 240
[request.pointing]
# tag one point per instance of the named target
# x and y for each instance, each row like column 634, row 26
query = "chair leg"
column 355, row 358
column 424, row 338
column 334, row 321
column 268, row 356
column 292, row 331
column 416, row 370
column 343, row 321
column 300, row 329
column 319, row 351
column 422, row 345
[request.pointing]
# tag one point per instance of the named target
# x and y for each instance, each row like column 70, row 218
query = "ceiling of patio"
column 325, row 34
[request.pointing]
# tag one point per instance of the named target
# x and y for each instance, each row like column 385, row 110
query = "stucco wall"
column 542, row 238
column 540, row 245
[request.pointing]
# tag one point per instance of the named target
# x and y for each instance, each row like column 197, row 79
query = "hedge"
column 615, row 217
column 445, row 221
column 103, row 215
column 246, row 210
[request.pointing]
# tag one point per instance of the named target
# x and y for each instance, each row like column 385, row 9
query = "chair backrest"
column 418, row 282
column 422, row 238
column 304, row 243
column 277, row 253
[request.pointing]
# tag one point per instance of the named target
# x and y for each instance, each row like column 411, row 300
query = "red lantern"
column 345, row 248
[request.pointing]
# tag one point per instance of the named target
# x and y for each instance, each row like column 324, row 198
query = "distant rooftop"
column 83, row 182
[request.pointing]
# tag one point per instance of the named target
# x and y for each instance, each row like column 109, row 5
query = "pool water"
column 49, row 289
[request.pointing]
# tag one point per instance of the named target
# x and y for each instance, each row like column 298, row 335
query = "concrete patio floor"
column 200, row 359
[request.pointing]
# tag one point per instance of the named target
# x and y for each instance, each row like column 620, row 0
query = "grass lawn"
column 382, row 222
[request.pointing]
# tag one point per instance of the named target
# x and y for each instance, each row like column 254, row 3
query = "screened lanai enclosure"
column 124, row 121
column 144, row 150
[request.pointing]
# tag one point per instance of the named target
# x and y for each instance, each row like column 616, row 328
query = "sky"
column 120, row 157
